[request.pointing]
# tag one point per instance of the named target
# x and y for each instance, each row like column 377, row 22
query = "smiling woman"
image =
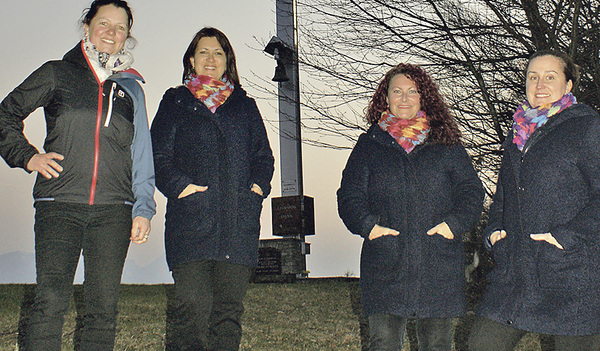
column 546, row 81
column 108, row 29
column 95, row 179
column 410, row 191
column 214, row 164
column 544, row 222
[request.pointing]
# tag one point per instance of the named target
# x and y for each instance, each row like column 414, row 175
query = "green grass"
column 316, row 314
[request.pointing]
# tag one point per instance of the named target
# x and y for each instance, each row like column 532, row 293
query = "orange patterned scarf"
column 212, row 92
column 407, row 132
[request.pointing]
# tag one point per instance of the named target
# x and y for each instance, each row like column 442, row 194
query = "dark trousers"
column 207, row 306
column 488, row 335
column 62, row 231
column 387, row 333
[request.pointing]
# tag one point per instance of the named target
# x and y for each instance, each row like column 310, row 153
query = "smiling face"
column 403, row 98
column 108, row 30
column 546, row 81
column 209, row 58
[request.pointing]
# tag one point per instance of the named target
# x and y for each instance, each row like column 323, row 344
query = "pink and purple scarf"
column 527, row 119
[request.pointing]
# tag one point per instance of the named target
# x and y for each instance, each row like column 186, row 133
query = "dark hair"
column 444, row 129
column 570, row 69
column 230, row 68
column 90, row 13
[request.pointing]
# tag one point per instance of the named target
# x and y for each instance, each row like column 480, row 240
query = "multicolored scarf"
column 212, row 92
column 527, row 119
column 407, row 132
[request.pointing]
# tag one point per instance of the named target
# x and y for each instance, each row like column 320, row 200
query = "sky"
column 37, row 31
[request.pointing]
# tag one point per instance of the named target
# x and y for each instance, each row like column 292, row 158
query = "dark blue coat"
column 227, row 151
column 412, row 274
column 553, row 186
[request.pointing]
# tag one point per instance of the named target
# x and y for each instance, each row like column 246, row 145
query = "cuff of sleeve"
column 487, row 241
column 368, row 225
column 27, row 158
column 455, row 227
column 565, row 237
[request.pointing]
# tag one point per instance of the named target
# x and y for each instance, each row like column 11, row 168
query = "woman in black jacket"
column 544, row 226
column 214, row 164
column 95, row 178
column 410, row 191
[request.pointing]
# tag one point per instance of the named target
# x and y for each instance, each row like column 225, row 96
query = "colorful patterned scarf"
column 407, row 132
column 527, row 119
column 212, row 92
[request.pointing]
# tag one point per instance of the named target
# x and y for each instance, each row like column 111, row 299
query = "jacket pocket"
column 562, row 269
column 381, row 259
column 500, row 253
column 444, row 259
column 193, row 213
column 250, row 207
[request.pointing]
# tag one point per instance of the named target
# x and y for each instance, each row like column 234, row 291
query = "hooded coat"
column 227, row 151
column 552, row 186
column 412, row 274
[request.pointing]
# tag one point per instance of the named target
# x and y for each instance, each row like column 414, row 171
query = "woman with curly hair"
column 410, row 190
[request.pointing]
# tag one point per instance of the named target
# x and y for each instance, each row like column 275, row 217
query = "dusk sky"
column 35, row 32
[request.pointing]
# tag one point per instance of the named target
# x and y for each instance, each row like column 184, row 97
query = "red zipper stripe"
column 96, row 145
column 97, row 134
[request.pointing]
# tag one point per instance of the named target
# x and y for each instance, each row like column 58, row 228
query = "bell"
column 280, row 73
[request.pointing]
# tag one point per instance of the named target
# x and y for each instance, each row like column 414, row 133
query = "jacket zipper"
column 98, row 126
column 97, row 143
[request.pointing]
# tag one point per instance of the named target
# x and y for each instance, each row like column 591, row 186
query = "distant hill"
column 19, row 268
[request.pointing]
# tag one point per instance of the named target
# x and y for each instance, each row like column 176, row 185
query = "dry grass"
column 316, row 314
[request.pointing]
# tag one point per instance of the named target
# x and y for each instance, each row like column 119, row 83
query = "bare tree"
column 475, row 49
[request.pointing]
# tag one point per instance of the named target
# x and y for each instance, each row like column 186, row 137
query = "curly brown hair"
column 444, row 129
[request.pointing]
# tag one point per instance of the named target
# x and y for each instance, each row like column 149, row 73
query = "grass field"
column 313, row 314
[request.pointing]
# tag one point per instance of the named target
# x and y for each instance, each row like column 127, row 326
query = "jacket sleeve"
column 352, row 196
column 495, row 213
column 585, row 226
column 143, row 164
column 262, row 161
column 169, row 180
column 467, row 193
column 36, row 91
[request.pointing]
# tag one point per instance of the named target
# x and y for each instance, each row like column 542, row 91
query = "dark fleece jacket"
column 553, row 186
column 412, row 274
column 226, row 151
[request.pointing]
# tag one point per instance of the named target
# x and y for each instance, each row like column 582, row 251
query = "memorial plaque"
column 269, row 261
column 293, row 215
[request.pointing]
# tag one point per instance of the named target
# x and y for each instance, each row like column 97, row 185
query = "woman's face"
column 209, row 58
column 546, row 81
column 403, row 98
column 108, row 30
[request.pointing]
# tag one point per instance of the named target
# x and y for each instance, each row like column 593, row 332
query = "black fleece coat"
column 553, row 186
column 227, row 151
column 412, row 274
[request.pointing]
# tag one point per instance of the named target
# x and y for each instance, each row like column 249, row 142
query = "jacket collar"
column 77, row 57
